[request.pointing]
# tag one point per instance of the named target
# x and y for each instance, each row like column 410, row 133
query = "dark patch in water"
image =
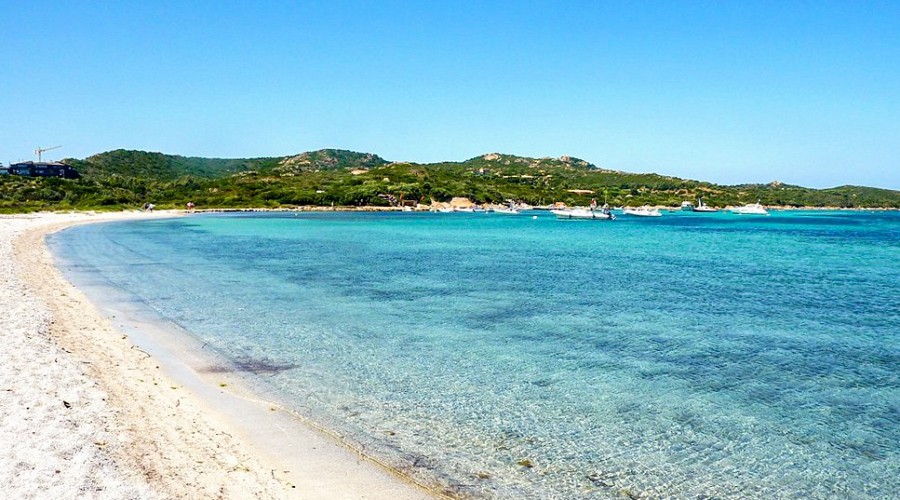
column 542, row 382
column 259, row 366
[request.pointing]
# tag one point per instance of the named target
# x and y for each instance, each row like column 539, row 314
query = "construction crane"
column 41, row 150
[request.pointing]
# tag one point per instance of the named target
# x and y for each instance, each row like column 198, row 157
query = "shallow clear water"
column 687, row 356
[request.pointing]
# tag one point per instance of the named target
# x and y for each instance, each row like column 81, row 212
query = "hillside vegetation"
column 128, row 179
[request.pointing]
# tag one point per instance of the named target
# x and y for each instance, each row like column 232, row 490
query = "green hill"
column 327, row 159
column 127, row 179
column 160, row 166
column 504, row 161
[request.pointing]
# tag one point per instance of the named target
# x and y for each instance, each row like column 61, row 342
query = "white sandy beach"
column 90, row 408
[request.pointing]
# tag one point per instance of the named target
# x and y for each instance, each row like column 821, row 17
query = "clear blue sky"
column 805, row 92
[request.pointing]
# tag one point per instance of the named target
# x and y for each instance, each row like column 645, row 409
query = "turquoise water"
column 686, row 356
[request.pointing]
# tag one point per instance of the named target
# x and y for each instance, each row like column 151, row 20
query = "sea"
column 520, row 356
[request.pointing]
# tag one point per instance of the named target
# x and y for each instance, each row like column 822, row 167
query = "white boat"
column 687, row 206
column 506, row 210
column 702, row 207
column 750, row 209
column 642, row 211
column 582, row 213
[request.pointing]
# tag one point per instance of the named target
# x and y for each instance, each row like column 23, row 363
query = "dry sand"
column 87, row 411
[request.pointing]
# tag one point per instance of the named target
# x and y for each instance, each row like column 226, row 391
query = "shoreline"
column 311, row 208
column 174, row 212
column 158, row 425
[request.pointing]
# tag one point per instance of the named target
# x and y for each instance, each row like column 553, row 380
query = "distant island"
column 126, row 179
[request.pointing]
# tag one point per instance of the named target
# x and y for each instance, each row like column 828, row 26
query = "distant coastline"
column 313, row 208
column 324, row 209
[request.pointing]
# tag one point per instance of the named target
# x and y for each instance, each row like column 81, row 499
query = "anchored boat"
column 750, row 209
column 583, row 213
column 702, row 207
column 642, row 211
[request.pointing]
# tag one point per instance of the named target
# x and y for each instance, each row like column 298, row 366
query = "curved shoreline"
column 157, row 426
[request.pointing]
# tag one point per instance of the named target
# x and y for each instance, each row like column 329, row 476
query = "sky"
column 803, row 92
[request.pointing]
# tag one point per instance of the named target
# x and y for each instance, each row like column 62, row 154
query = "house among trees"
column 43, row 169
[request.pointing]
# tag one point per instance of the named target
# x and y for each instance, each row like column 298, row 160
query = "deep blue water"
column 686, row 356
